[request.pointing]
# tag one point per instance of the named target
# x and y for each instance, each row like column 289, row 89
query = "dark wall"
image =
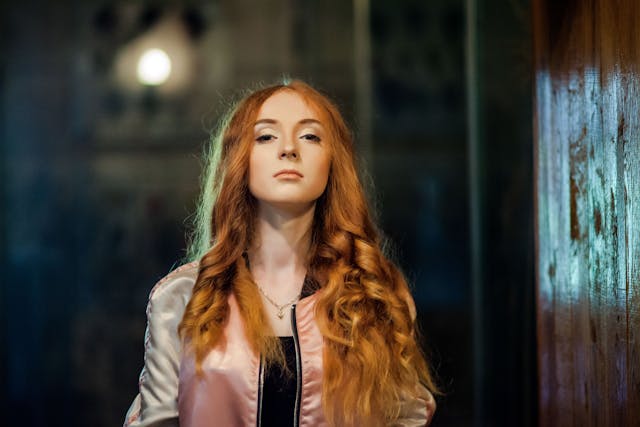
column 3, row 223
column 501, row 191
column 421, row 177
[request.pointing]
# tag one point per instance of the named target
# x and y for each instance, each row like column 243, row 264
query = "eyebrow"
column 301, row 122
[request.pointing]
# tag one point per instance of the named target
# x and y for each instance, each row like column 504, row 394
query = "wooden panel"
column 587, row 56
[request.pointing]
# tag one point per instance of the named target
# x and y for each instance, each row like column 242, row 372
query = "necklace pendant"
column 280, row 314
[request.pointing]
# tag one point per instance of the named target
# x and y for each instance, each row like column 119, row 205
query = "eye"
column 311, row 137
column 264, row 138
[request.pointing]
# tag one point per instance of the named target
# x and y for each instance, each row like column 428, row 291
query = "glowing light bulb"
column 154, row 67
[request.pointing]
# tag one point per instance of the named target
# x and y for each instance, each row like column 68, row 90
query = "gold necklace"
column 279, row 307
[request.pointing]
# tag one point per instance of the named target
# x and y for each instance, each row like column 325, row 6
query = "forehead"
column 287, row 105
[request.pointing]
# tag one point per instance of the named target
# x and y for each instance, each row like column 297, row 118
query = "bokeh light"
column 154, row 67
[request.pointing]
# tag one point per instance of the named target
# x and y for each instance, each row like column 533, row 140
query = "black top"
column 279, row 390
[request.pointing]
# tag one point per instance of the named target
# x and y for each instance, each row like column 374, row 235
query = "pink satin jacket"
column 229, row 392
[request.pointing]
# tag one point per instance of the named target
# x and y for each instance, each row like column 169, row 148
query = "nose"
column 289, row 150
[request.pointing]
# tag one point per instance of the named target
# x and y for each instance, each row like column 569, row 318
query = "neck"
column 282, row 241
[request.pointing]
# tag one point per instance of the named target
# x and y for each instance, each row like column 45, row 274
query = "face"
column 289, row 162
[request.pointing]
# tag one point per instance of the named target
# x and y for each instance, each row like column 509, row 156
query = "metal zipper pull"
column 294, row 330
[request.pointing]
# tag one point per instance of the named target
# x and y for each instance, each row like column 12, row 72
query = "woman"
column 292, row 314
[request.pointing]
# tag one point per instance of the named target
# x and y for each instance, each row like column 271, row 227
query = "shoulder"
column 175, row 287
column 167, row 302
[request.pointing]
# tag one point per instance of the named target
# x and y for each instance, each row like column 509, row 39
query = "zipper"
column 294, row 329
column 260, row 387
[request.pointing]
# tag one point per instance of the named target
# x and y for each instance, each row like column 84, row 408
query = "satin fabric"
column 156, row 403
column 311, row 349
column 170, row 394
column 228, row 389
column 227, row 392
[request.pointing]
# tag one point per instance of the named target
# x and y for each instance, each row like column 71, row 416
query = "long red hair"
column 364, row 308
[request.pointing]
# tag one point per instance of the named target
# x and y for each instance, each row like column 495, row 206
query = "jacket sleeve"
column 417, row 410
column 156, row 404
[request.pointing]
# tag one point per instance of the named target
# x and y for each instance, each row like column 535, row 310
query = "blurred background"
column 105, row 108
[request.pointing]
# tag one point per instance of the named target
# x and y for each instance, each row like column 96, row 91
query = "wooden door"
column 587, row 171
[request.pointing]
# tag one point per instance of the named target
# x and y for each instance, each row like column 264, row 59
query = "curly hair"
column 364, row 308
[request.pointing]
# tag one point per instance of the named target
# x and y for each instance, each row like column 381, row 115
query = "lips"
column 288, row 172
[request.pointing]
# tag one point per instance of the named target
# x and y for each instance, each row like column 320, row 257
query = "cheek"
column 326, row 168
column 322, row 171
column 326, row 163
column 255, row 171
